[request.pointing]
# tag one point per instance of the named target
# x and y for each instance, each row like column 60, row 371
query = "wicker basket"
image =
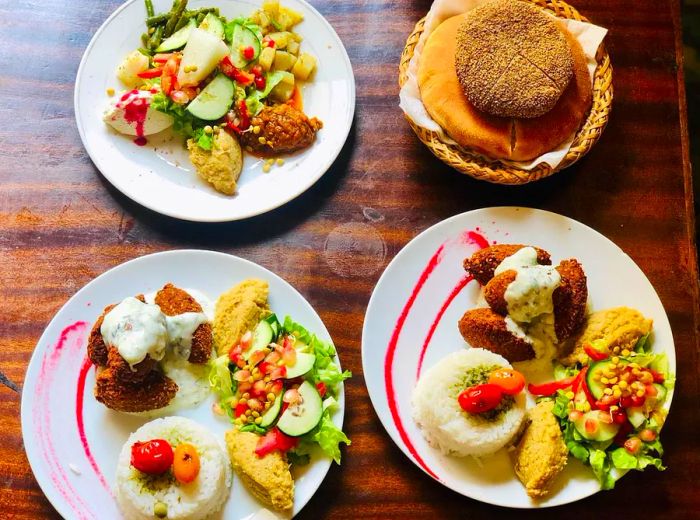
column 486, row 169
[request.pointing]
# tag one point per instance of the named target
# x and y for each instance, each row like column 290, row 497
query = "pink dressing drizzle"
column 72, row 336
column 468, row 237
column 135, row 111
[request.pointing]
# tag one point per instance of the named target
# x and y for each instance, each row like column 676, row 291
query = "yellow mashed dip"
column 237, row 311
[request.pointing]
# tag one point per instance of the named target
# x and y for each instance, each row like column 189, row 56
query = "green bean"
column 183, row 21
column 200, row 18
column 157, row 37
column 144, row 39
column 176, row 13
column 144, row 51
column 149, row 8
column 157, row 19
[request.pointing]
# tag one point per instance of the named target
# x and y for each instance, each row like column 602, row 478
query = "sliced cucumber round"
column 636, row 416
column 269, row 417
column 593, row 426
column 262, row 337
column 244, row 37
column 178, row 39
column 302, row 417
column 305, row 362
column 214, row 100
column 213, row 24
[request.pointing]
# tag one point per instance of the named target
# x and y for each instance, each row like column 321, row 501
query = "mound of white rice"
column 443, row 422
column 137, row 494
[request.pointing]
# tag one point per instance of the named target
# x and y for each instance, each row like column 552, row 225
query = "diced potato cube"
column 304, row 66
column 267, row 56
column 263, row 21
column 283, row 61
column 289, row 16
column 284, row 89
column 128, row 70
column 280, row 38
column 271, row 8
column 293, row 47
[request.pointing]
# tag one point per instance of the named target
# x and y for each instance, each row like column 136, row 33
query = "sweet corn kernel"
column 640, row 393
column 604, row 380
column 570, row 394
column 256, row 130
column 280, row 162
column 586, row 406
column 110, row 91
column 256, row 414
column 262, row 140
column 271, row 396
column 258, row 420
column 613, row 380
column 617, row 393
column 626, row 352
column 266, row 168
column 608, row 391
column 622, row 384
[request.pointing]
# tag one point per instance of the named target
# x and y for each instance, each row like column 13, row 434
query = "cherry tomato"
column 510, row 381
column 152, row 457
column 186, row 463
column 274, row 440
column 480, row 398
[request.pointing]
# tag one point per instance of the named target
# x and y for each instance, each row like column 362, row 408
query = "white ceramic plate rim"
column 148, row 201
column 377, row 390
column 57, row 323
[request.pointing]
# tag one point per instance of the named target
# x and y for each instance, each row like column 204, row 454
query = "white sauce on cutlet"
column 138, row 329
column 530, row 294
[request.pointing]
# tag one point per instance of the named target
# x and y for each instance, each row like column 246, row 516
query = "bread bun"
column 516, row 139
column 512, row 60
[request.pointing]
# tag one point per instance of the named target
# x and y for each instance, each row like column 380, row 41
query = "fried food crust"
column 97, row 350
column 484, row 262
column 495, row 290
column 154, row 392
column 283, row 129
column 569, row 299
column 172, row 301
column 123, row 372
column 541, row 453
column 485, row 328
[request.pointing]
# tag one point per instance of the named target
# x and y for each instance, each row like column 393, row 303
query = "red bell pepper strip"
column 236, row 74
column 594, row 354
column 584, row 387
column 551, row 387
column 150, row 73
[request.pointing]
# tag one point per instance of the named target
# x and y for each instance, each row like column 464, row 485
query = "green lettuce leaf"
column 622, row 459
column 601, row 465
column 329, row 437
column 221, row 382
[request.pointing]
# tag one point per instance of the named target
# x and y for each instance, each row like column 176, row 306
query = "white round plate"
column 75, row 464
column 411, row 323
column 160, row 175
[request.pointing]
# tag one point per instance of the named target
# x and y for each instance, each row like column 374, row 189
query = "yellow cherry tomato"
column 186, row 463
column 509, row 380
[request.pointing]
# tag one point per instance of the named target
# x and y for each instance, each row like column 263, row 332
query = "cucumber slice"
column 305, row 362
column 636, row 416
column 262, row 337
column 177, row 39
column 269, row 417
column 595, row 372
column 243, row 37
column 214, row 101
column 592, row 426
column 302, row 417
column 661, row 392
column 213, row 24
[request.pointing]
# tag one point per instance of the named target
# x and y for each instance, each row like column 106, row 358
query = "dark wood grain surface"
column 62, row 224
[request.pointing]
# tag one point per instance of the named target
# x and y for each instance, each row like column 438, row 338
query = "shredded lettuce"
column 203, row 139
column 329, row 437
column 325, row 370
column 221, row 381
column 643, row 345
column 185, row 123
column 560, row 371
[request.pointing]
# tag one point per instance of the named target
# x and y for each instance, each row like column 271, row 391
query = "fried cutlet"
column 97, row 349
column 154, row 392
column 486, row 329
column 541, row 453
column 495, row 290
column 484, row 262
column 569, row 299
column 268, row 478
column 172, row 301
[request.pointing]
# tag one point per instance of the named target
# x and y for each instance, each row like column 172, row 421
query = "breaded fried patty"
column 484, row 262
column 172, row 301
column 155, row 391
column 569, row 299
column 97, row 350
column 495, row 290
column 486, row 329
column 123, row 372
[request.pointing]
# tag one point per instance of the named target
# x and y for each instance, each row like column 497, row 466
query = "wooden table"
column 62, row 224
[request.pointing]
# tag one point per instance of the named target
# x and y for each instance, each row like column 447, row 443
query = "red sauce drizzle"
column 469, row 237
column 458, row 289
column 84, row 369
column 135, row 112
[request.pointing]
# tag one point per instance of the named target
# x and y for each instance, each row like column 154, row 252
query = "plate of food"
column 214, row 110
column 163, row 391
column 519, row 358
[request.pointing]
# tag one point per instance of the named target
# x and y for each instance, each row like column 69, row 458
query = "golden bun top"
column 512, row 60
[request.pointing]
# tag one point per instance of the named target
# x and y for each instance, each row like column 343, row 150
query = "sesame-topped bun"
column 512, row 60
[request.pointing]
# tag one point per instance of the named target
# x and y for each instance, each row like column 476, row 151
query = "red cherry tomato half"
column 152, row 457
column 480, row 398
column 510, row 381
